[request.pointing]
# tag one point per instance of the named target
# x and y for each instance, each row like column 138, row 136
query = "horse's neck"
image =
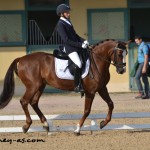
column 99, row 65
column 102, row 54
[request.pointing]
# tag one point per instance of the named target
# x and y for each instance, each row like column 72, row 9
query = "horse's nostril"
column 121, row 70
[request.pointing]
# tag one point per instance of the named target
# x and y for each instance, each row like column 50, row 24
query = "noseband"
column 116, row 63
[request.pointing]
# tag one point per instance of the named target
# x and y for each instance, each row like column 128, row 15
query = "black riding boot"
column 78, row 80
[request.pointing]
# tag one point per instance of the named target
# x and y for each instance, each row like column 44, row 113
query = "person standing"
column 72, row 43
column 142, row 69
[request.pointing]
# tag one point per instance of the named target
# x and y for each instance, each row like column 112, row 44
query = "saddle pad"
column 60, row 66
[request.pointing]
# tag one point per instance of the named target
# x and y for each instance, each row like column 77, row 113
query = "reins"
column 102, row 58
column 93, row 61
column 90, row 49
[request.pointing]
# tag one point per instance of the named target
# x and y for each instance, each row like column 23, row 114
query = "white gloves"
column 85, row 44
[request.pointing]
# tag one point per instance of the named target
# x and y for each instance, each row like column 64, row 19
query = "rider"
column 72, row 43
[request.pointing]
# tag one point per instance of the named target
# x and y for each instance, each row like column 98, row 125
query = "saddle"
column 84, row 55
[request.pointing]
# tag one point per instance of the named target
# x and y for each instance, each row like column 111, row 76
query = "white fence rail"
column 94, row 126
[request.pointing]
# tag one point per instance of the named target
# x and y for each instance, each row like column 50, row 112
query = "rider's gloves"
column 85, row 44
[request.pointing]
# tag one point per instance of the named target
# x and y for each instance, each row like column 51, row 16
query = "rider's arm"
column 62, row 32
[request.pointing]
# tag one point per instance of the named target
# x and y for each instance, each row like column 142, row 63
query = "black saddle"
column 60, row 54
column 84, row 55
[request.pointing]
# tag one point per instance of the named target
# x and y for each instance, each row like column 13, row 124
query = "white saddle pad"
column 63, row 73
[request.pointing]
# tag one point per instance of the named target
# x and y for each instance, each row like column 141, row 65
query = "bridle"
column 115, row 62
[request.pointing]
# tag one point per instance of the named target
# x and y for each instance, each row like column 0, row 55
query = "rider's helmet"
column 62, row 8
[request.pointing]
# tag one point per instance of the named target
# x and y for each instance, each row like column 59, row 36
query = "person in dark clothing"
column 72, row 43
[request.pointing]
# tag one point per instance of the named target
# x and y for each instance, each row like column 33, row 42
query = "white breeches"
column 75, row 58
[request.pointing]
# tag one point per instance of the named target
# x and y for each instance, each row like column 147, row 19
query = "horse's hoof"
column 24, row 129
column 76, row 133
column 46, row 128
column 102, row 124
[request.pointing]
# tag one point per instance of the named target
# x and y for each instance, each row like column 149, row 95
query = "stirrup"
column 79, row 89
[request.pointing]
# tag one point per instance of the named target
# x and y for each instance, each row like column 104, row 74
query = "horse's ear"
column 128, row 42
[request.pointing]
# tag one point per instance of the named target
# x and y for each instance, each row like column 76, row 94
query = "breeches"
column 75, row 58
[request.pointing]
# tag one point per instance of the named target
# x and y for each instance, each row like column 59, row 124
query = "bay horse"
column 37, row 69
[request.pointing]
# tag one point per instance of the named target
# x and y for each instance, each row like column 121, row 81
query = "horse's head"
column 119, row 57
column 109, row 51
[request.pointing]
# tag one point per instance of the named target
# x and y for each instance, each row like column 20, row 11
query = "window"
column 107, row 24
column 12, row 28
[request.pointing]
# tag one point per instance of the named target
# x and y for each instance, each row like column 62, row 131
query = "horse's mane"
column 106, row 40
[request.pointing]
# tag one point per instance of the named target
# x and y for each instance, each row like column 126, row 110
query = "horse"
column 36, row 70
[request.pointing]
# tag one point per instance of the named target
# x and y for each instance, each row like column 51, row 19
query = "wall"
column 79, row 11
column 12, row 5
column 118, row 83
column 8, row 54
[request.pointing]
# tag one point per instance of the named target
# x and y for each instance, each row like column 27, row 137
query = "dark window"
column 41, row 25
column 139, row 23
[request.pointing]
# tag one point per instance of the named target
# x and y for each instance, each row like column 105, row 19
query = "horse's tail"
column 9, row 84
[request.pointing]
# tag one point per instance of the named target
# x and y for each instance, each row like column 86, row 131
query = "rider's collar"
column 64, row 19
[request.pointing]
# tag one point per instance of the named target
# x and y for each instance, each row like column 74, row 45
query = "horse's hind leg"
column 105, row 96
column 24, row 102
column 34, row 104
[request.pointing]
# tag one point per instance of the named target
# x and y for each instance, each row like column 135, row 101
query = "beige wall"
column 12, row 5
column 7, row 55
column 118, row 83
column 79, row 11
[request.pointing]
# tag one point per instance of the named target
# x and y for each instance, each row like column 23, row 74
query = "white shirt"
column 64, row 19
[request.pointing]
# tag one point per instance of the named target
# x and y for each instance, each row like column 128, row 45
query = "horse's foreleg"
column 87, row 110
column 105, row 96
column 34, row 104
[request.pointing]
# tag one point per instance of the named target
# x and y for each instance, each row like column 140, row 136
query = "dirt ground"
column 72, row 104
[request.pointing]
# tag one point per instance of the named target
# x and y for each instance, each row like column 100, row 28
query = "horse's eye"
column 120, row 55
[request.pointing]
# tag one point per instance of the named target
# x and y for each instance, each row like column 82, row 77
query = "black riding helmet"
column 62, row 8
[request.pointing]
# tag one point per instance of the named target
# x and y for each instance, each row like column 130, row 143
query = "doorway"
column 42, row 19
column 139, row 25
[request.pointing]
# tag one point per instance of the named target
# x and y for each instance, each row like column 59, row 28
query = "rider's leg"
column 75, row 58
column 78, row 80
column 77, row 72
